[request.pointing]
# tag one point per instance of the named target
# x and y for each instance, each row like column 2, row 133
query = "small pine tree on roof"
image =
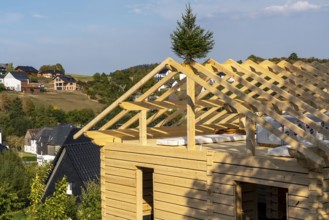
column 189, row 40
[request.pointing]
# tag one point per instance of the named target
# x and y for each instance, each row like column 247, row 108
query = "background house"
column 30, row 141
column 64, row 83
column 29, row 70
column 49, row 140
column 50, row 73
column 46, row 142
column 16, row 81
column 3, row 67
column 78, row 160
column 2, row 147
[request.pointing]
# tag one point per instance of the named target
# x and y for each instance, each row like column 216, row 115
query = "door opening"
column 145, row 193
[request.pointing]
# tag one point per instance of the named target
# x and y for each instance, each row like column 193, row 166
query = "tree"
column 15, row 181
column 90, row 207
column 58, row 206
column 5, row 102
column 59, row 67
column 190, row 41
column 80, row 117
column 16, row 109
column 10, row 68
column 28, row 107
column 293, row 56
column 15, row 142
column 37, row 190
column 2, row 87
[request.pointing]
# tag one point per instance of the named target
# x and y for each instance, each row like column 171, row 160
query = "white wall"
column 12, row 83
column 31, row 148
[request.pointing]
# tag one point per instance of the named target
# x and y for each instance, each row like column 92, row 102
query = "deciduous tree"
column 90, row 207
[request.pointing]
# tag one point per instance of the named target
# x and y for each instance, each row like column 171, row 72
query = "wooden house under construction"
column 194, row 150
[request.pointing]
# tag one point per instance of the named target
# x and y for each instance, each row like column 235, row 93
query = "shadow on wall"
column 237, row 190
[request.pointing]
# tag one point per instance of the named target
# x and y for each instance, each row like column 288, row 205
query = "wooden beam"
column 250, row 135
column 263, row 108
column 122, row 98
column 304, row 94
column 294, row 143
column 142, row 127
column 307, row 80
column 139, row 194
column 165, row 105
column 161, row 112
column 190, row 87
column 287, row 96
column 140, row 98
column 324, row 77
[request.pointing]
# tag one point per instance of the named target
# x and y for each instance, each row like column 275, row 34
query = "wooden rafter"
column 295, row 144
column 213, row 98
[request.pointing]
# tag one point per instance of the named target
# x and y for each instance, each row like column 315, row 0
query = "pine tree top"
column 189, row 40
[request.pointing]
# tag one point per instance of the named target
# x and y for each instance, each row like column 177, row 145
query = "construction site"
column 219, row 141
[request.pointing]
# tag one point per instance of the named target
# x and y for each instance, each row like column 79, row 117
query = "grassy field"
column 27, row 156
column 83, row 78
column 66, row 101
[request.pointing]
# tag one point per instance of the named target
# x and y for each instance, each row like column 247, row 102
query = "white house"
column 16, row 80
column 171, row 83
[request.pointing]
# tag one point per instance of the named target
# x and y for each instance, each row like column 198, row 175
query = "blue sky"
column 89, row 36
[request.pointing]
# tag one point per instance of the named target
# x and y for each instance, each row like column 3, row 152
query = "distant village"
column 19, row 79
column 79, row 159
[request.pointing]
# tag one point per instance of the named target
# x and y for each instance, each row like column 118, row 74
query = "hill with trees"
column 293, row 57
column 106, row 88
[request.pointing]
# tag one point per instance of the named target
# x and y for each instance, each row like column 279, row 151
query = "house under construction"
column 228, row 141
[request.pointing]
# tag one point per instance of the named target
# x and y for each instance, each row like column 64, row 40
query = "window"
column 69, row 189
column 254, row 201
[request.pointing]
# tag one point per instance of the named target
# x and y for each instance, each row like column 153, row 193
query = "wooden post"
column 238, row 201
column 142, row 127
column 250, row 138
column 139, row 194
column 190, row 113
column 210, row 196
column 315, row 195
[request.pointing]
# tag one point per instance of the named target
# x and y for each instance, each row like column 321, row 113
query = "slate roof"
column 27, row 69
column 60, row 134
column 33, row 132
column 85, row 156
column 78, row 160
column 21, row 76
column 54, row 136
column 67, row 78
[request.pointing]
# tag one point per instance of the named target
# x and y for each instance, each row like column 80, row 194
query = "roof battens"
column 292, row 85
column 264, row 109
column 295, row 144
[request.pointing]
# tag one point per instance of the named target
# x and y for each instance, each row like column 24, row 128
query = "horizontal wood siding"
column 179, row 180
column 196, row 184
column 228, row 170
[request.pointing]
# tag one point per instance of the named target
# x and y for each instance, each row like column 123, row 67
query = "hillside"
column 66, row 101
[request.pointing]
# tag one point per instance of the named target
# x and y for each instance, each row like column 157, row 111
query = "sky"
column 89, row 36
